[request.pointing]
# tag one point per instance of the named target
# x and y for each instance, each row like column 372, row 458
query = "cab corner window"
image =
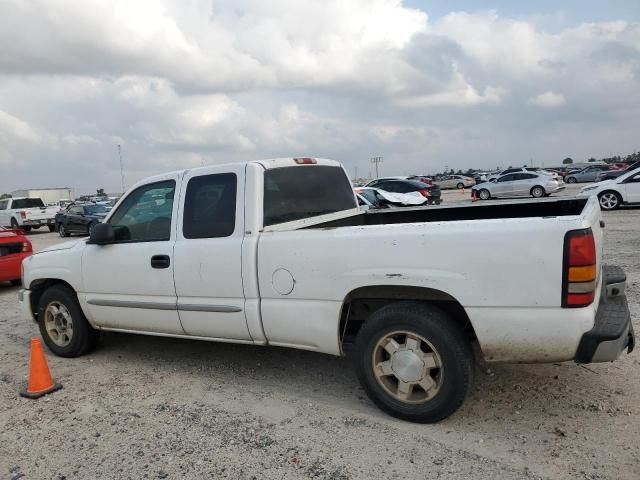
column 210, row 206
column 145, row 214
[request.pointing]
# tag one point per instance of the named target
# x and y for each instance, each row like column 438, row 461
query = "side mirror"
column 101, row 233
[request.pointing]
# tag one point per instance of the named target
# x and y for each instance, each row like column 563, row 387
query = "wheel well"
column 38, row 287
column 359, row 304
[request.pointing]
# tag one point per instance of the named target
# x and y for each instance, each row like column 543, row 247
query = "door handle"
column 160, row 261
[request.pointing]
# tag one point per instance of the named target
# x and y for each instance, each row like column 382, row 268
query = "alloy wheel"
column 408, row 367
column 58, row 323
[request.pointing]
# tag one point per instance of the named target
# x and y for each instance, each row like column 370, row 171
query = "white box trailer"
column 48, row 195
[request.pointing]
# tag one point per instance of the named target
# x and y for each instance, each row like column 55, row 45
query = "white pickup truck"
column 276, row 252
column 27, row 213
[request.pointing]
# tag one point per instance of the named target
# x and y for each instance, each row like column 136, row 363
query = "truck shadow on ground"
column 500, row 391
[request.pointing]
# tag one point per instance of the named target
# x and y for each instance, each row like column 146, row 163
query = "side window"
column 403, row 188
column 76, row 211
column 145, row 214
column 525, row 176
column 210, row 206
column 506, row 178
column 3, row 205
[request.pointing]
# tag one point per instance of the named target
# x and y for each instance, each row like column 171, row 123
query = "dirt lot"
column 146, row 407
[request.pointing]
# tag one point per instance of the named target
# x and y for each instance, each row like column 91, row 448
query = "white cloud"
column 548, row 100
column 182, row 83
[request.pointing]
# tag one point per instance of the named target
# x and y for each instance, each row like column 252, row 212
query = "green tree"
column 101, row 192
column 592, row 160
column 567, row 161
column 5, row 195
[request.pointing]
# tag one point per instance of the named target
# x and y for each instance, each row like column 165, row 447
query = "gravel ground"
column 148, row 407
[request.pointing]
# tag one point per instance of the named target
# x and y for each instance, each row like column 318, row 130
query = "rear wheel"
column 14, row 224
column 414, row 362
column 537, row 192
column 484, row 194
column 609, row 200
column 460, row 186
column 63, row 326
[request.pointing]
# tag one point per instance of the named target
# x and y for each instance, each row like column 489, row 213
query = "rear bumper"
column 612, row 331
column 39, row 222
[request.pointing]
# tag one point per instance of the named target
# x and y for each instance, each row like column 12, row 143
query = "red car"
column 14, row 247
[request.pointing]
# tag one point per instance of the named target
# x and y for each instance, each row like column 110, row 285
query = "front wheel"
column 62, row 231
column 62, row 323
column 571, row 180
column 460, row 186
column 609, row 200
column 414, row 362
column 484, row 194
column 537, row 192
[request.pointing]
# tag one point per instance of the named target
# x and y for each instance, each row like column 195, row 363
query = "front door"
column 504, row 185
column 208, row 253
column 128, row 284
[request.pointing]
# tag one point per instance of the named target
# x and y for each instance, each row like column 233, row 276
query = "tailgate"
column 39, row 213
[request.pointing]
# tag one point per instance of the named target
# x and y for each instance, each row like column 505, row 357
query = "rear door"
column 523, row 183
column 208, row 254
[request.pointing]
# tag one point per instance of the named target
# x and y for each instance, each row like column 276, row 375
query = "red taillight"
column 23, row 214
column 580, row 273
column 305, row 161
column 425, row 193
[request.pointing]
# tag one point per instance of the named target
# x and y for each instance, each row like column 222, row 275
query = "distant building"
column 48, row 195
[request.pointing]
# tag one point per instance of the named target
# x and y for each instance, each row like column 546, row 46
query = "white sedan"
column 624, row 190
column 519, row 184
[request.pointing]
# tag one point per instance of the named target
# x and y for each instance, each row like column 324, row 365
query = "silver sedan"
column 519, row 184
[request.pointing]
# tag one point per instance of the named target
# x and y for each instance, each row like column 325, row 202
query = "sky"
column 424, row 84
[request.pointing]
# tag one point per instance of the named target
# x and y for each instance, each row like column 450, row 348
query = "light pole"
column 121, row 167
column 377, row 161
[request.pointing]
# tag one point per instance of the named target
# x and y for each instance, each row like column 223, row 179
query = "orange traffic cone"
column 40, row 381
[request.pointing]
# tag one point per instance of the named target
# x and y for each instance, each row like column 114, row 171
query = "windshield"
column 93, row 209
column 27, row 203
column 294, row 193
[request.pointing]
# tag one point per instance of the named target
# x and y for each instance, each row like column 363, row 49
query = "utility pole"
column 121, row 167
column 377, row 161
column 356, row 172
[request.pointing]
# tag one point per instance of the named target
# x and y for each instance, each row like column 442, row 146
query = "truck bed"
column 552, row 207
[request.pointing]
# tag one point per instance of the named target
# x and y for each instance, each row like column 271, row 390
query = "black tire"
column 62, row 231
column 537, row 192
column 446, row 338
column 14, row 224
column 83, row 337
column 460, row 186
column 571, row 180
column 52, row 228
column 90, row 227
column 609, row 200
column 484, row 192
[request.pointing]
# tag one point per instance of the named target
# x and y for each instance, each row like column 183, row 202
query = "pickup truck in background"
column 277, row 252
column 27, row 213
